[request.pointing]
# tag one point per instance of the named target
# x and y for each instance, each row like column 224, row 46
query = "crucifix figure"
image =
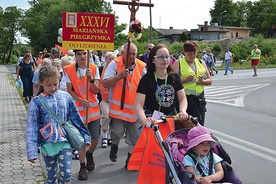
column 133, row 7
column 133, row 10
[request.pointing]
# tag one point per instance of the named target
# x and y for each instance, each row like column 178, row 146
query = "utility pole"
column 150, row 22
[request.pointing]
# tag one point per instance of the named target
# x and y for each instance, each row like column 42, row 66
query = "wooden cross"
column 133, row 7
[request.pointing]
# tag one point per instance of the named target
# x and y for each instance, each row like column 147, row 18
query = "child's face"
column 50, row 85
column 203, row 148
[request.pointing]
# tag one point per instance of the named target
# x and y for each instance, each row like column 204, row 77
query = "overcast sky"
column 179, row 14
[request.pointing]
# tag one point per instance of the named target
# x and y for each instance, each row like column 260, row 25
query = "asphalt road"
column 241, row 113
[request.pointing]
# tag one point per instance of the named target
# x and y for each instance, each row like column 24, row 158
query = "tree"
column 262, row 16
column 9, row 21
column 223, row 13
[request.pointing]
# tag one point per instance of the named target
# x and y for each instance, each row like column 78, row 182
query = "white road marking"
column 230, row 95
column 246, row 146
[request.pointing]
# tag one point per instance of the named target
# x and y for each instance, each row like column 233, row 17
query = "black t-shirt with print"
column 166, row 93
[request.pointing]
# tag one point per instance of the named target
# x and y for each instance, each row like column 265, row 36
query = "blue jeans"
column 63, row 161
column 227, row 63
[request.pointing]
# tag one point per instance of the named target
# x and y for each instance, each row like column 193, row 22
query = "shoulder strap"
column 47, row 108
column 211, row 161
column 199, row 60
column 197, row 166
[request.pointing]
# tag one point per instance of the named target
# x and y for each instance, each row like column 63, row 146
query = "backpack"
column 17, row 64
column 215, row 59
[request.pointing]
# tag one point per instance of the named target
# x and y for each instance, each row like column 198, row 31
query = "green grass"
column 12, row 82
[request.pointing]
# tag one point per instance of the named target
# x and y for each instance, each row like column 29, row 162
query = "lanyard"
column 160, row 99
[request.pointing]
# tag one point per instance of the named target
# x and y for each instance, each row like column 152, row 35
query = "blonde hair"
column 112, row 54
column 66, row 60
column 44, row 62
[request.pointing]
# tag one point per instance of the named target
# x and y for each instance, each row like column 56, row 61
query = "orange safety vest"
column 148, row 156
column 104, row 91
column 79, row 86
column 128, row 113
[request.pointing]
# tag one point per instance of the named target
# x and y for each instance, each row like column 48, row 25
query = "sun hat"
column 199, row 134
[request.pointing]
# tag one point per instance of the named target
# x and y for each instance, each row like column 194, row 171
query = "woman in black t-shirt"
column 160, row 89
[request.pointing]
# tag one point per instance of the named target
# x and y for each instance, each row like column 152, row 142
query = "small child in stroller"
column 199, row 156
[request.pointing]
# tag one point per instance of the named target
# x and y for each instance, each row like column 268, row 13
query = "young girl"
column 42, row 130
column 198, row 156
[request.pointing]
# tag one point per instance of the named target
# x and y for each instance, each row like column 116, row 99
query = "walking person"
column 160, row 90
column 104, row 104
column 123, row 119
column 255, row 57
column 194, row 76
column 228, row 57
column 145, row 56
column 25, row 72
column 45, row 62
column 76, row 75
column 210, row 62
column 44, row 131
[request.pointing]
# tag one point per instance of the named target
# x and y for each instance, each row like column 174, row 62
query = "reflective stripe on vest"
column 192, row 87
column 128, row 113
column 79, row 86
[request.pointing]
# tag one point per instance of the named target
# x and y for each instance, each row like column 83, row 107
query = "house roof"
column 224, row 27
column 167, row 32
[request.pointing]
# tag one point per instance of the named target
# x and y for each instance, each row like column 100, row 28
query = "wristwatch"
column 92, row 81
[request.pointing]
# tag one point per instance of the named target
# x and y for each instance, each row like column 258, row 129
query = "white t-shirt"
column 228, row 55
column 81, row 73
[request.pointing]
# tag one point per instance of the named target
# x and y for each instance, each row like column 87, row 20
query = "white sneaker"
column 104, row 143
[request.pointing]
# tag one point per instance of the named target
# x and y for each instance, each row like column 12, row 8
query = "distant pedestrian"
column 39, row 58
column 45, row 62
column 210, row 62
column 145, row 56
column 204, row 56
column 228, row 57
column 94, row 58
column 104, row 104
column 43, row 130
column 25, row 71
column 255, row 57
column 180, row 54
column 55, row 53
